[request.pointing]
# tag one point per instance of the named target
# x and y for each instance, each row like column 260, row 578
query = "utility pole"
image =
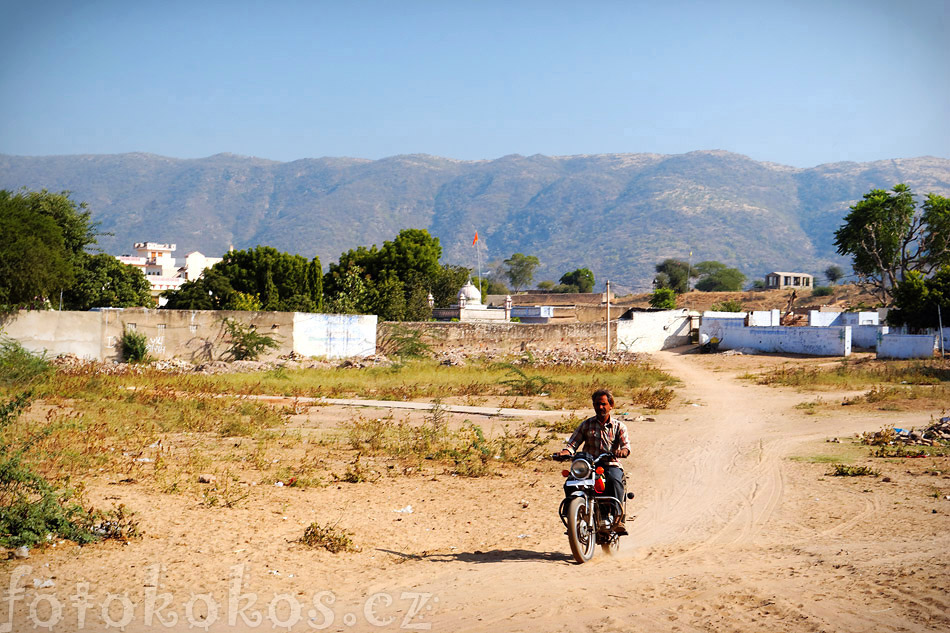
column 608, row 316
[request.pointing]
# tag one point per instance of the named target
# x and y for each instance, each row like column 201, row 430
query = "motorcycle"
column 590, row 516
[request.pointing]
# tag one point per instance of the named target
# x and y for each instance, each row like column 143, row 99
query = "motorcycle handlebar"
column 558, row 457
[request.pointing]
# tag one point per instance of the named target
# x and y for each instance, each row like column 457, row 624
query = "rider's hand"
column 564, row 452
column 622, row 452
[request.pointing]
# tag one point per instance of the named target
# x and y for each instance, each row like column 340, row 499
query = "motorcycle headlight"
column 580, row 469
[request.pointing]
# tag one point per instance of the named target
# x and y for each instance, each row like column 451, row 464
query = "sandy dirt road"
column 730, row 535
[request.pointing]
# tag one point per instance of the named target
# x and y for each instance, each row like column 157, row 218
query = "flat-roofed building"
column 780, row 280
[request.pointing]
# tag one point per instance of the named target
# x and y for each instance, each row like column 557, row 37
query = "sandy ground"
column 735, row 531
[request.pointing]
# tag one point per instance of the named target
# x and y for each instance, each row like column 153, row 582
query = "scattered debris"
column 937, row 432
column 206, row 478
column 406, row 510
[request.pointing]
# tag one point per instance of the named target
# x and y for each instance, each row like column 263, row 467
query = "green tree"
column 717, row 277
column 489, row 286
column 42, row 240
column 663, row 299
column 581, row 279
column 211, row 291
column 349, row 294
column 278, row 281
column 916, row 300
column 834, row 273
column 447, row 283
column 674, row 274
column 888, row 237
column 395, row 280
column 102, row 281
column 520, row 269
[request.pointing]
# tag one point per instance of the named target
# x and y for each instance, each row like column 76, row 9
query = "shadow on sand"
column 478, row 556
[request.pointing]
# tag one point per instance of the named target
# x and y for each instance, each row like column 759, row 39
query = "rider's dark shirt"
column 600, row 438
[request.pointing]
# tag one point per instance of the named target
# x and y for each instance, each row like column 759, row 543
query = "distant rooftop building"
column 156, row 261
column 780, row 280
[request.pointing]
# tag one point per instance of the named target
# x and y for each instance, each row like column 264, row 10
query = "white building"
column 158, row 264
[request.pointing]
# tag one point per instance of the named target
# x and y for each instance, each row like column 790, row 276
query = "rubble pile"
column 571, row 357
column 936, row 433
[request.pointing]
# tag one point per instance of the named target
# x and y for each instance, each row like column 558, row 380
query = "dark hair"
column 594, row 397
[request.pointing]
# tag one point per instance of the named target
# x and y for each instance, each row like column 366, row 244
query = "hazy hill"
column 617, row 214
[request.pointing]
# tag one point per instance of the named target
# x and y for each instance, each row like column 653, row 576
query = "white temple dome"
column 471, row 294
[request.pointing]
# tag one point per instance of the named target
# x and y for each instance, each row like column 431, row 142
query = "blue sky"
column 800, row 83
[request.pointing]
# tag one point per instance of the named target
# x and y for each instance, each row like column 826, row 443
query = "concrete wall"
column 334, row 335
column 78, row 333
column 830, row 341
column 867, row 336
column 824, row 319
column 907, row 346
column 506, row 337
column 765, row 318
column 194, row 335
column 714, row 327
column 945, row 334
column 653, row 331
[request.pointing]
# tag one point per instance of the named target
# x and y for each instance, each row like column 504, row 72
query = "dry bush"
column 329, row 537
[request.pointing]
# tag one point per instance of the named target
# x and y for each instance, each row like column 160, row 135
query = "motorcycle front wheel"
column 580, row 530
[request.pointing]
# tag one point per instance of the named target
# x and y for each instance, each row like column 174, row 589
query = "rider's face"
column 602, row 407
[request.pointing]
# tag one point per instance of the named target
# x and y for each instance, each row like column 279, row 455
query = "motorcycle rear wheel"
column 580, row 530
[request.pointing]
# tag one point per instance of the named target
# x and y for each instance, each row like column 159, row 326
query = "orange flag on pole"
column 476, row 238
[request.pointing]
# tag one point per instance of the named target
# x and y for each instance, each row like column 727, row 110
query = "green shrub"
column 134, row 346
column 19, row 366
column 663, row 299
column 246, row 343
column 732, row 305
column 843, row 470
column 30, row 507
column 822, row 291
column 403, row 341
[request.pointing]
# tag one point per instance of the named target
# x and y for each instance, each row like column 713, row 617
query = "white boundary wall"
column 334, row 335
column 716, row 326
column 824, row 319
column 867, row 336
column 907, row 346
column 763, row 318
column 653, row 331
column 945, row 334
column 190, row 334
column 55, row 332
column 826, row 341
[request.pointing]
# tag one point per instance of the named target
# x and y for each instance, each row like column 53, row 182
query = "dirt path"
column 718, row 543
column 730, row 535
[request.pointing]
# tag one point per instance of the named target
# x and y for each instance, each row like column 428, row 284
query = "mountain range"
column 616, row 214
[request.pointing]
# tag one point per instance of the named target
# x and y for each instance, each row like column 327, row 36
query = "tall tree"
column 582, row 280
column 395, row 280
column 888, row 236
column 42, row 240
column 279, row 281
column 833, row 273
column 717, row 277
column 674, row 274
column 520, row 269
column 102, row 281
column 918, row 298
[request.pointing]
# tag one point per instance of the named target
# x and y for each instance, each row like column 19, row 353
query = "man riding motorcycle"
column 602, row 434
